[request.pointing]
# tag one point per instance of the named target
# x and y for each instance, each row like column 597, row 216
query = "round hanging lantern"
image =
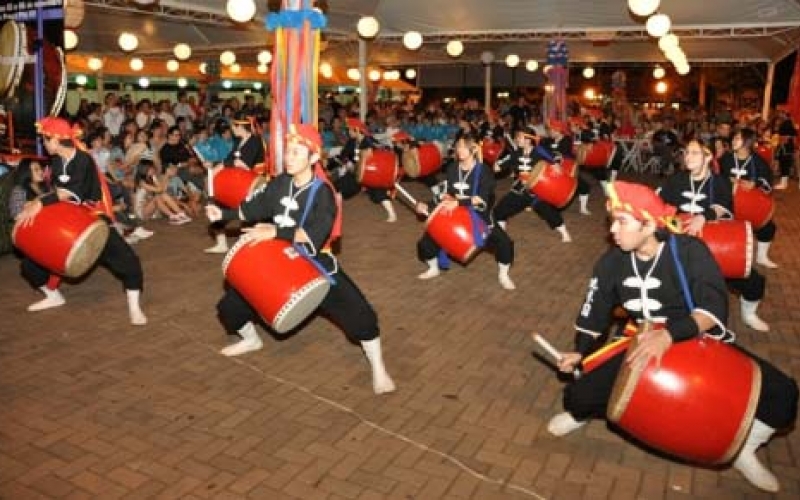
column 136, row 64
column 532, row 65
column 643, row 8
column 454, row 48
column 95, row 64
column 264, row 57
column 658, row 25
column 70, row 39
column 412, row 40
column 588, row 72
column 241, row 11
column 182, row 51
column 128, row 42
column 173, row 65
column 368, row 27
column 227, row 58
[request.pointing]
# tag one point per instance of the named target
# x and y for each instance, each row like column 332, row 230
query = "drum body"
column 595, row 155
column 279, row 282
column 698, row 404
column 491, row 151
column 21, row 87
column 753, row 205
column 731, row 244
column 552, row 186
column 377, row 168
column 766, row 152
column 454, row 232
column 64, row 238
column 423, row 160
column 232, row 185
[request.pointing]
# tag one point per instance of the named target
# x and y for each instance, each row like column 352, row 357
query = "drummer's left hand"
column 260, row 232
column 449, row 205
column 29, row 212
column 747, row 184
column 650, row 344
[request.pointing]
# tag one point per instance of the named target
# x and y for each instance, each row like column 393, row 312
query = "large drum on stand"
column 283, row 285
column 17, row 78
column 554, row 185
column 455, row 232
column 698, row 404
column 377, row 168
column 753, row 205
column 65, row 238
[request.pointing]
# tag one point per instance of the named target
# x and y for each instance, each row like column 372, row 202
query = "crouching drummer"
column 297, row 206
column 642, row 273
column 77, row 179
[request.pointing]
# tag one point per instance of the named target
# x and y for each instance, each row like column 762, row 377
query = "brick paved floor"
column 91, row 407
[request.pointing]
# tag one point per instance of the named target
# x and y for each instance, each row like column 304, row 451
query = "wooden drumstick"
column 552, row 351
column 409, row 198
column 210, row 182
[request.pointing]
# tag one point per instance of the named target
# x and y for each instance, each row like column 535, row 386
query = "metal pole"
column 487, row 97
column 362, row 84
column 38, row 73
column 765, row 106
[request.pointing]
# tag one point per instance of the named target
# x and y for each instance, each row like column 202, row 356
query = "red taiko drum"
column 731, row 244
column 422, row 161
column 766, row 152
column 64, row 238
column 278, row 281
column 454, row 232
column 232, row 185
column 596, row 155
column 552, row 186
column 377, row 168
column 490, row 151
column 698, row 404
column 753, row 205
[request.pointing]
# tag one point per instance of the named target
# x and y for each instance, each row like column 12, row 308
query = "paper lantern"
column 487, row 57
column 411, row 73
column 667, row 41
column 182, row 51
column 368, row 27
column 262, row 68
column 264, row 57
column 512, row 60
column 658, row 25
column 661, row 87
column 588, row 72
column 95, row 64
column 412, row 40
column 81, row 80
column 354, row 74
column 235, row 68
column 182, row 82
column 227, row 84
column 144, row 82
column 136, row 64
column 227, row 58
column 532, row 65
column 241, row 11
column 70, row 39
column 643, row 8
column 658, row 73
column 128, row 42
column 454, row 48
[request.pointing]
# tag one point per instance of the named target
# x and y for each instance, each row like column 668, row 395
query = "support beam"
column 362, row 83
column 765, row 107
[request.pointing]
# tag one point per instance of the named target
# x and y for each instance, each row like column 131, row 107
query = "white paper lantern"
column 262, row 68
column 532, row 65
column 81, row 80
column 128, row 42
column 227, row 84
column 658, row 73
column 588, row 72
column 173, row 65
column 374, row 75
column 643, row 8
column 512, row 60
column 95, row 64
column 411, row 73
column 683, row 69
column 235, row 68
column 227, row 58
column 658, row 25
column 136, row 64
column 182, row 51
column 70, row 39
column 182, row 82
column 661, row 87
column 264, row 57
column 354, row 74
column 412, row 40
column 487, row 57
column 325, row 69
column 144, row 82
column 667, row 41
column 241, row 11
column 368, row 27
column 202, row 68
column 454, row 48
column 258, row 85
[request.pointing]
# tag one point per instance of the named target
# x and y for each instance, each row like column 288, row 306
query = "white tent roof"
column 599, row 31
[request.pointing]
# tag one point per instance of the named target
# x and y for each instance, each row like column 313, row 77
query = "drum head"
column 12, row 61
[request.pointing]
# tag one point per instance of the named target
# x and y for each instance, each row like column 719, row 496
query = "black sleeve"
column 723, row 193
column 259, row 206
column 601, row 297
column 253, row 151
column 763, row 178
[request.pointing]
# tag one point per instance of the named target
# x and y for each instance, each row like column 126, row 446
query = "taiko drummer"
column 643, row 273
column 298, row 207
column 76, row 179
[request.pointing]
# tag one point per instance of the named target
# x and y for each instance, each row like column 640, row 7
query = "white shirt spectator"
column 113, row 119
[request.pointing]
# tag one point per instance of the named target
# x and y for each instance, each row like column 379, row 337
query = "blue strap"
column 315, row 185
column 477, row 235
column 544, row 153
column 687, row 295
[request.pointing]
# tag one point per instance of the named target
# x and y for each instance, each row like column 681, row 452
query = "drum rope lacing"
column 364, row 420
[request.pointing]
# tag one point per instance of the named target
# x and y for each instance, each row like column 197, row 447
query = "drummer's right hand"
column 213, row 213
column 695, row 226
column 421, row 208
column 569, row 361
column 29, row 212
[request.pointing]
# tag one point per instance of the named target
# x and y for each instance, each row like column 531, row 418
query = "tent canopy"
column 598, row 32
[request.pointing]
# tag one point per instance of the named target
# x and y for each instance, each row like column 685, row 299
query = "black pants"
column 498, row 240
column 766, row 233
column 117, row 256
column 752, row 288
column 588, row 396
column 513, row 203
column 377, row 195
column 345, row 305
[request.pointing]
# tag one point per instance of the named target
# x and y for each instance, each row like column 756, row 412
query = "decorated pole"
column 294, row 71
column 558, row 74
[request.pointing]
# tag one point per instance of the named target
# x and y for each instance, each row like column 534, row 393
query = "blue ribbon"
column 316, row 183
column 295, row 19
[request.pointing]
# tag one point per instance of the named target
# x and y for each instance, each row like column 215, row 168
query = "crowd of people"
column 132, row 164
